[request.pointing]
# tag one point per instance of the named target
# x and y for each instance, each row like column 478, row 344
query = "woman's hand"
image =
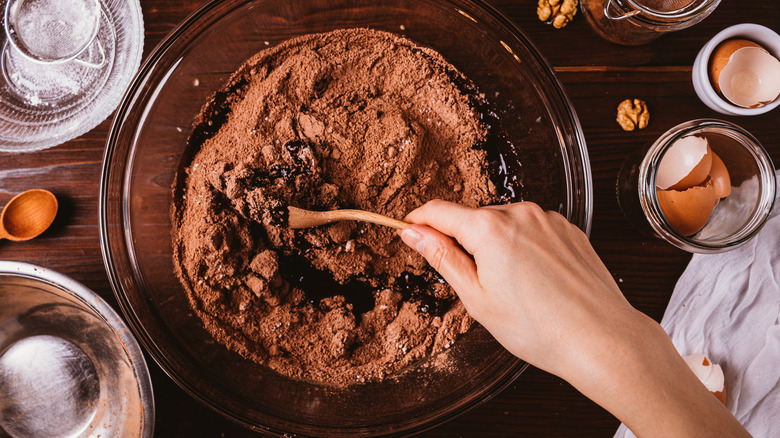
column 539, row 287
column 534, row 282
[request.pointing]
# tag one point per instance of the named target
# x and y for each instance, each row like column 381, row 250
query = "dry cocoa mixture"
column 348, row 119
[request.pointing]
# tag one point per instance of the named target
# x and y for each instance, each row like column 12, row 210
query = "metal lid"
column 660, row 11
column 664, row 6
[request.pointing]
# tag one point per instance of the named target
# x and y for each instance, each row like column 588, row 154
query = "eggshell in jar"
column 688, row 211
column 685, row 164
column 720, row 177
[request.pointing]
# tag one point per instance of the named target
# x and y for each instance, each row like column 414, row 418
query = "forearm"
column 644, row 382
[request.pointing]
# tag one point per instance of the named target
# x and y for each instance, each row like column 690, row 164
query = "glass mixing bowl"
column 146, row 146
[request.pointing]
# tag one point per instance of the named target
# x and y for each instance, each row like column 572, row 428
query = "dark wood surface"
column 597, row 76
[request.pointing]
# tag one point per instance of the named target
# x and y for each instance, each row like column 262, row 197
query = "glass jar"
column 735, row 220
column 637, row 22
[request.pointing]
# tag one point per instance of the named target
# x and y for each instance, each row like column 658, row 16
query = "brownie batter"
column 348, row 119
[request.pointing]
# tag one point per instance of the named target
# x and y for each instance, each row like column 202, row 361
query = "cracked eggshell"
column 721, row 55
column 720, row 177
column 688, row 211
column 745, row 73
column 685, row 164
column 710, row 374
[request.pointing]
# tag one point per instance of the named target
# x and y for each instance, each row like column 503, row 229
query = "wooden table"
column 597, row 76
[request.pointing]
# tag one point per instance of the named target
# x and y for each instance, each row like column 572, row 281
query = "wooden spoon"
column 27, row 215
column 300, row 218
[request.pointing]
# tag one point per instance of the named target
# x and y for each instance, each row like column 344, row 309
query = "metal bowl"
column 68, row 364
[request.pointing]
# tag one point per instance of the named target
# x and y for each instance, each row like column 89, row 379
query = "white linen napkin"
column 727, row 306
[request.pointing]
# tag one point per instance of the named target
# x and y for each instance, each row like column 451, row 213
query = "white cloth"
column 727, row 306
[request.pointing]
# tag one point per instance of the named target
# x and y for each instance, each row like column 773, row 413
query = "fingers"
column 444, row 255
column 451, row 219
column 447, row 217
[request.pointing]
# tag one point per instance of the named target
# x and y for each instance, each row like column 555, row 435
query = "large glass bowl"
column 146, row 146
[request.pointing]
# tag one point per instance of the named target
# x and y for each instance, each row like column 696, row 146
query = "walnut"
column 556, row 12
column 632, row 114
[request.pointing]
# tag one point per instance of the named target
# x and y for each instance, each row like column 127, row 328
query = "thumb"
column 445, row 256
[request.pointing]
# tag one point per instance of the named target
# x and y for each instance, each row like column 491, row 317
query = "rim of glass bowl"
column 578, row 207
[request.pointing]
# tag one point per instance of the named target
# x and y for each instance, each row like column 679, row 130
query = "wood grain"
column 596, row 74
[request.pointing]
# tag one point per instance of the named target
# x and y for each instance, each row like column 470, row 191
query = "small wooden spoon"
column 27, row 215
column 300, row 218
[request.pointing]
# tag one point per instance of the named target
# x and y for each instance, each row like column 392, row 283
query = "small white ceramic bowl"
column 762, row 35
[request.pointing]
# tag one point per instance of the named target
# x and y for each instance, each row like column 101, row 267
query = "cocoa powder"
column 349, row 119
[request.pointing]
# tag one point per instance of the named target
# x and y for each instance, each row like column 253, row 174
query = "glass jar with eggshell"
column 705, row 186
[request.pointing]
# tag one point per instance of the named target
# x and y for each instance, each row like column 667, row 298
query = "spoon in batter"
column 27, row 215
column 299, row 218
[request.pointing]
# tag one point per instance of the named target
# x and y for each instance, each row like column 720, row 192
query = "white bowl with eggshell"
column 702, row 75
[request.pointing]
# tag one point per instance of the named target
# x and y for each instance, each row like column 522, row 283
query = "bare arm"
column 538, row 286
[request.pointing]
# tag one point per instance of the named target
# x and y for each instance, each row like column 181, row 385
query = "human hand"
column 538, row 286
column 534, row 282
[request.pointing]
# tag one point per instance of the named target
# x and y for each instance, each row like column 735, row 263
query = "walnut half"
column 633, row 114
column 556, row 12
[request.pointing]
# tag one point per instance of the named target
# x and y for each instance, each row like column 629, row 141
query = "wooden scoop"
column 300, row 218
column 27, row 215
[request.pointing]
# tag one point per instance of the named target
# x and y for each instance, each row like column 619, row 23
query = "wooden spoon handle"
column 300, row 218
